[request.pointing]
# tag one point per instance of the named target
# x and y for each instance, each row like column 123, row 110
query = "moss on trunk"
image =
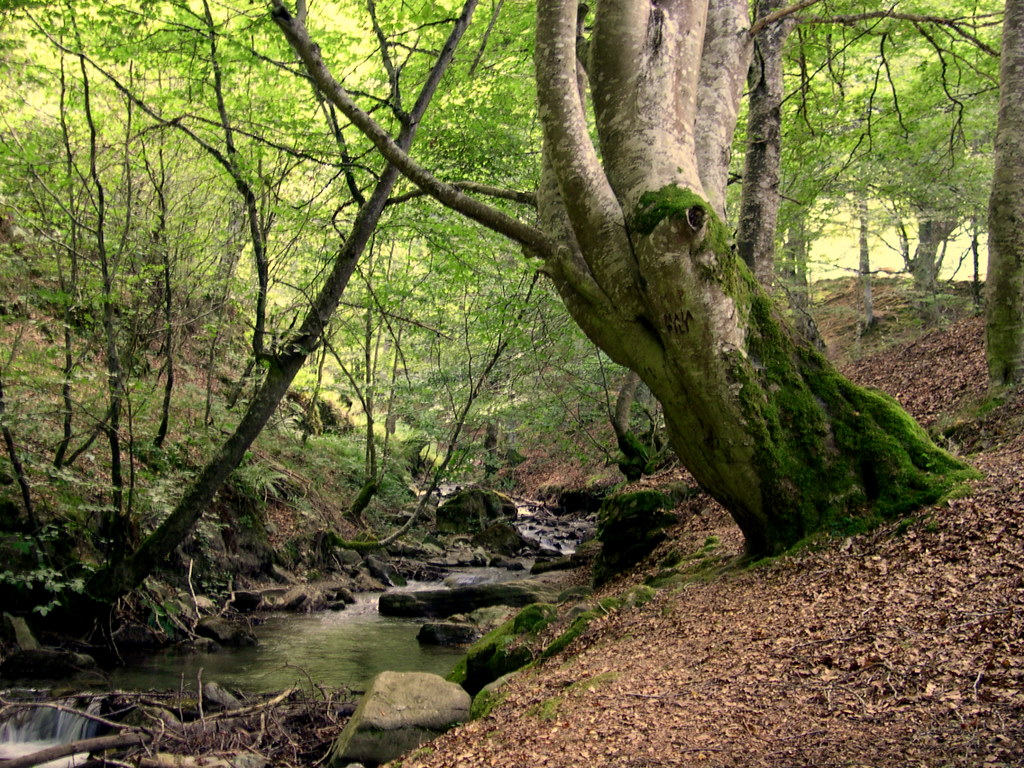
column 798, row 448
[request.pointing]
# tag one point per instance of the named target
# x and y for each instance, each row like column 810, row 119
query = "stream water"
column 335, row 649
column 343, row 649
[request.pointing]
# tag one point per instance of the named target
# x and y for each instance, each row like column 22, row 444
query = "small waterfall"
column 34, row 728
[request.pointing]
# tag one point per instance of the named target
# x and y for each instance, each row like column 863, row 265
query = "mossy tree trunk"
column 1004, row 313
column 633, row 239
column 644, row 264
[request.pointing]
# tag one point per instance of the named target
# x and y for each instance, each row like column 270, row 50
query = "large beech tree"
column 1005, row 283
column 631, row 233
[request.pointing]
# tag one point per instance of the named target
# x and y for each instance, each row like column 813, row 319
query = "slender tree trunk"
column 865, row 267
column 159, row 238
column 68, row 283
column 794, row 270
column 16, row 465
column 116, row 526
column 1004, row 313
column 257, row 238
column 759, row 208
column 976, row 263
column 932, row 233
column 635, row 455
column 120, row 577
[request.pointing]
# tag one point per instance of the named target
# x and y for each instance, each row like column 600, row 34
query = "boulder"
column 384, row 572
column 300, row 599
column 439, row 603
column 503, row 649
column 225, row 632
column 629, row 527
column 447, row 633
column 473, row 510
column 500, row 538
column 400, row 711
column 45, row 663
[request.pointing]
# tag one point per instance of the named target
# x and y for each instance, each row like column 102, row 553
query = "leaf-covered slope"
column 900, row 647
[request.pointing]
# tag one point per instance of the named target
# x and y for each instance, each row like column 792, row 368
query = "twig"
column 192, row 591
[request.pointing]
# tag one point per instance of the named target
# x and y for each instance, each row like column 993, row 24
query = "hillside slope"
column 901, row 647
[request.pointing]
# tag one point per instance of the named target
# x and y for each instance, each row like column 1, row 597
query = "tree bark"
column 932, row 232
column 1004, row 315
column 762, row 169
column 763, row 422
column 643, row 262
column 865, row 266
column 118, row 578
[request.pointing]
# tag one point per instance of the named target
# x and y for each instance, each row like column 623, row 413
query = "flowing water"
column 335, row 649
column 38, row 728
column 343, row 649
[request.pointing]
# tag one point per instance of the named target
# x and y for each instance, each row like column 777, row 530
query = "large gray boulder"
column 474, row 509
column 439, row 603
column 400, row 711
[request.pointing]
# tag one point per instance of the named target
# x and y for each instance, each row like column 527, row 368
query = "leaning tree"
column 631, row 232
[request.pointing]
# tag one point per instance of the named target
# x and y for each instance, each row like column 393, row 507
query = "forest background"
column 176, row 193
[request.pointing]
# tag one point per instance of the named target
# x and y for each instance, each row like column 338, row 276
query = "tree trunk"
column 118, row 578
column 1004, row 316
column 759, row 208
column 116, row 526
column 865, row 267
column 635, row 455
column 763, row 422
column 16, row 465
column 932, row 233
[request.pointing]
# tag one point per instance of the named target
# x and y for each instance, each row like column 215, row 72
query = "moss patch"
column 502, row 650
column 593, row 683
column 545, row 710
column 672, row 202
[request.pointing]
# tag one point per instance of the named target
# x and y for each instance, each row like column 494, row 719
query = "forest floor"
column 900, row 647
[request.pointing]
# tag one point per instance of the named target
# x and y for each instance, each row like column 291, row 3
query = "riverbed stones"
column 400, row 711
column 473, row 510
column 384, row 572
column 440, row 603
column 500, row 538
column 46, row 664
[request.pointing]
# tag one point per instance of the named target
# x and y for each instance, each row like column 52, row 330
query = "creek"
column 338, row 649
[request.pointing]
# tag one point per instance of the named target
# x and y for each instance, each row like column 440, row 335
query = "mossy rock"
column 473, row 510
column 500, row 651
column 629, row 527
